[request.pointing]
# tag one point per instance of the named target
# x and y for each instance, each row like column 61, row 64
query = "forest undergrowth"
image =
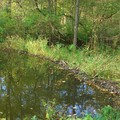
column 103, row 62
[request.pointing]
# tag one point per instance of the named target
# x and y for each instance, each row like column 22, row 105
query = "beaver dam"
column 27, row 83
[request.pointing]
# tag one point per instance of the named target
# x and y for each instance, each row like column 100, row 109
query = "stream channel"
column 28, row 83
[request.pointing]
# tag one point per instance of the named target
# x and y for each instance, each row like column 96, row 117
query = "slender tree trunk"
column 76, row 23
column 55, row 7
column 51, row 30
column 72, row 14
column 94, row 39
column 9, row 95
column 8, row 7
column 50, row 7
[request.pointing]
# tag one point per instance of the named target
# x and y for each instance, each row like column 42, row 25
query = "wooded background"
column 95, row 22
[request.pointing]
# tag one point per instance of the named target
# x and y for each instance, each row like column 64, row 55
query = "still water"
column 25, row 82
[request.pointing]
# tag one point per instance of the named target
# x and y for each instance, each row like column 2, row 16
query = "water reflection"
column 26, row 81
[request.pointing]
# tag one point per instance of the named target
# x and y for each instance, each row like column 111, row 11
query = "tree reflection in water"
column 26, row 81
column 85, row 103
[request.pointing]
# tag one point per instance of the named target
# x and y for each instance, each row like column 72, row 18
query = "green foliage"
column 34, row 118
column 55, row 20
column 31, row 20
column 8, row 26
column 71, row 47
column 3, row 21
column 108, row 113
column 88, row 117
column 103, row 63
column 50, row 110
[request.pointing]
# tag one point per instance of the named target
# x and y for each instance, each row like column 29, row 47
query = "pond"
column 28, row 82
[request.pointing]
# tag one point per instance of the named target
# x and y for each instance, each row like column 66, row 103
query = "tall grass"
column 104, row 63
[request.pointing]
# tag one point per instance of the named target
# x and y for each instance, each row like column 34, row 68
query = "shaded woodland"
column 90, row 22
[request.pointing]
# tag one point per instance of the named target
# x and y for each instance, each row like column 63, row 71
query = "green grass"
column 106, row 113
column 104, row 63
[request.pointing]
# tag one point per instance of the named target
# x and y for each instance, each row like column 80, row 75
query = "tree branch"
column 37, row 7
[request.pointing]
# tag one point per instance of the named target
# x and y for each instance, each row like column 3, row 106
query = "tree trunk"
column 55, row 7
column 9, row 95
column 50, row 6
column 76, row 23
column 8, row 7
